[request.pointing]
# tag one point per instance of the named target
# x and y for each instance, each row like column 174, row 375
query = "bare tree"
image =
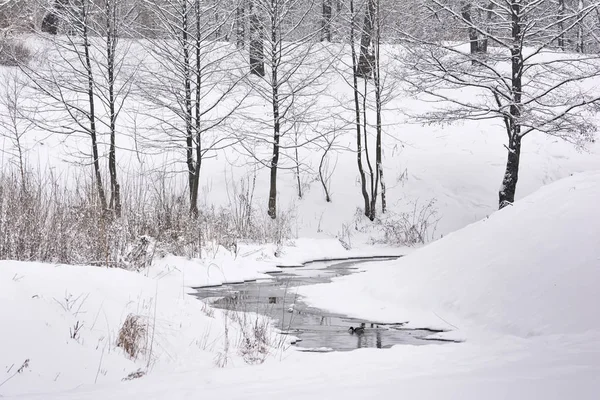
column 326, row 21
column 16, row 119
column 580, row 41
column 115, row 16
column 68, row 83
column 325, row 169
column 366, row 58
column 240, row 23
column 190, row 83
column 257, row 58
column 562, row 43
column 369, row 98
column 291, row 80
column 86, row 79
column 531, row 90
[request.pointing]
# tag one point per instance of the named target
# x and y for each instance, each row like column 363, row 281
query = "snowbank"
column 253, row 261
column 530, row 269
column 42, row 306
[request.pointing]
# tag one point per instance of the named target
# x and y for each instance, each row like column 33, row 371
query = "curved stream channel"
column 316, row 329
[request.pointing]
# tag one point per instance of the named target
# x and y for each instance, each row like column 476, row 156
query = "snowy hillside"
column 518, row 288
column 457, row 167
column 531, row 269
column 282, row 199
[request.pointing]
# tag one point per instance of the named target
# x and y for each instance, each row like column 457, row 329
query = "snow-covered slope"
column 459, row 166
column 530, row 269
column 41, row 306
column 63, row 323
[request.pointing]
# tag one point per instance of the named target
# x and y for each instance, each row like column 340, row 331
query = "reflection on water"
column 314, row 328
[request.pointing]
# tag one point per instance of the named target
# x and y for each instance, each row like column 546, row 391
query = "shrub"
column 42, row 219
column 132, row 335
column 13, row 53
column 410, row 228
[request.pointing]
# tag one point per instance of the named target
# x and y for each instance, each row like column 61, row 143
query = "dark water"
column 316, row 330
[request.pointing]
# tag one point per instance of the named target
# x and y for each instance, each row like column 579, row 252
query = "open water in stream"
column 316, row 329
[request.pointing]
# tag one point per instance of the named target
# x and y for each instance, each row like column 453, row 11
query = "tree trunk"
column 217, row 19
column 378, row 110
column 197, row 127
column 365, row 61
column 257, row 58
column 483, row 40
column 580, row 45
column 91, row 102
column 297, row 159
column 111, row 44
column 562, row 44
column 478, row 44
column 276, row 116
column 240, row 23
column 372, row 173
column 321, row 176
column 359, row 149
column 511, row 175
column 272, row 211
column 326, row 22
column 187, row 85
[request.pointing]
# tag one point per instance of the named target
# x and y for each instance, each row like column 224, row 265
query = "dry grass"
column 43, row 220
column 134, row 375
column 13, row 52
column 411, row 228
column 132, row 335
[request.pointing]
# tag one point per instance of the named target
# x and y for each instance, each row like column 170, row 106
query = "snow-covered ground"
column 42, row 305
column 527, row 270
column 459, row 167
column 519, row 288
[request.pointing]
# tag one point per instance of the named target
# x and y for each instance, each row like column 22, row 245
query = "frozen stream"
column 316, row 329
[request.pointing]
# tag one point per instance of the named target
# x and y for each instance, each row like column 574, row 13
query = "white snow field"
column 519, row 288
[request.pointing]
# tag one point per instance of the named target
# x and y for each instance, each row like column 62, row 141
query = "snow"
column 510, row 369
column 518, row 288
column 40, row 305
column 459, row 166
column 254, row 261
column 530, row 269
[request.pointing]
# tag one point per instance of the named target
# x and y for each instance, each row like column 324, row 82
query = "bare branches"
column 521, row 80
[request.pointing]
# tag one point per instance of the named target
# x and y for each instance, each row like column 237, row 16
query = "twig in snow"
column 99, row 365
column 454, row 326
column 19, row 371
column 153, row 327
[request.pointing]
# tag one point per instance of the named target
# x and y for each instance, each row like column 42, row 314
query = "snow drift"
column 530, row 269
